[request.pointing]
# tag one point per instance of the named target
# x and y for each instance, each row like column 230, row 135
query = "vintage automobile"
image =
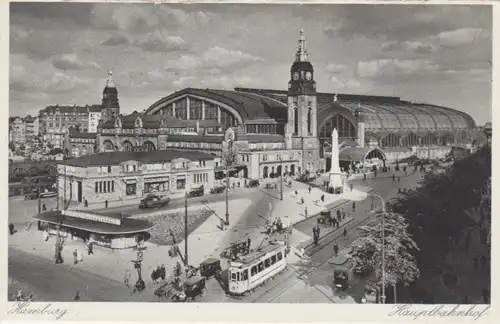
column 210, row 268
column 193, row 287
column 252, row 184
column 197, row 192
column 218, row 189
column 31, row 196
column 341, row 278
column 48, row 194
column 152, row 201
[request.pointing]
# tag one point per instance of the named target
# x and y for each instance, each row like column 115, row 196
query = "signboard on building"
column 92, row 217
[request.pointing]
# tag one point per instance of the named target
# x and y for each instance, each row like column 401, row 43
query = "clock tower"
column 301, row 127
column 110, row 107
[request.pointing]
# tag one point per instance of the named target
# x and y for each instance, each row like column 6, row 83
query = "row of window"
column 266, row 264
column 151, row 187
column 265, row 129
column 168, row 130
column 277, row 157
column 215, row 146
column 200, row 178
column 104, row 186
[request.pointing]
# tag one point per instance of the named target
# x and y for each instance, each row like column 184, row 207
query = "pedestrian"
column 364, row 176
column 45, row 236
column 338, row 213
column 399, row 179
column 106, row 203
column 126, row 278
column 75, row 256
column 222, row 223
column 351, row 186
column 399, row 190
column 44, row 207
column 305, row 211
column 309, row 189
column 353, row 206
column 163, row 272
column 11, row 229
column 336, row 249
column 393, row 178
column 323, row 198
column 343, row 214
column 315, row 236
column 302, row 200
column 475, row 263
column 91, row 248
column 85, row 203
column 154, row 275
column 79, row 256
column 238, row 184
column 345, row 233
column 317, row 230
column 77, row 297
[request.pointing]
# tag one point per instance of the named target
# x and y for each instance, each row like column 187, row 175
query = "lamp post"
column 383, row 245
column 228, row 161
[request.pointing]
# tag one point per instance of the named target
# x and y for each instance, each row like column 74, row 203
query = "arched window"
column 309, row 112
column 108, row 146
column 181, row 109
column 149, row 146
column 295, row 121
column 227, row 119
column 127, row 146
column 344, row 127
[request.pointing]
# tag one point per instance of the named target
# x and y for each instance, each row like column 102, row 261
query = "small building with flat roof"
column 126, row 177
column 104, row 230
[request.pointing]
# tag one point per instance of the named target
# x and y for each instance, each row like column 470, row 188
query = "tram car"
column 255, row 268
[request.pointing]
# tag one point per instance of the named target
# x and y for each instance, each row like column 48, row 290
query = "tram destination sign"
column 93, row 217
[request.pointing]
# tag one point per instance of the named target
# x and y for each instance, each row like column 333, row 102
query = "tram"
column 255, row 268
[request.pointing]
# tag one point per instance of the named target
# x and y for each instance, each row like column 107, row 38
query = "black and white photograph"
column 250, row 153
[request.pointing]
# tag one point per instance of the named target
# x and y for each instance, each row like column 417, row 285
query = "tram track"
column 349, row 226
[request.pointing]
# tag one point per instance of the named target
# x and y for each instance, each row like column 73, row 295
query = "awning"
column 129, row 225
column 130, row 181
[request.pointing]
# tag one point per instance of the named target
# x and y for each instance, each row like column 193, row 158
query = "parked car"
column 252, row 184
column 218, row 189
column 197, row 192
column 152, row 201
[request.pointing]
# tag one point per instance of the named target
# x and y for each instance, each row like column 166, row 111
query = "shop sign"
column 92, row 217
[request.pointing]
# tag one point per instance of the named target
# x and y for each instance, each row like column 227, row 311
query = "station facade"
column 290, row 130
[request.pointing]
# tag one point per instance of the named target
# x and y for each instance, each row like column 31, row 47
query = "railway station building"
column 289, row 131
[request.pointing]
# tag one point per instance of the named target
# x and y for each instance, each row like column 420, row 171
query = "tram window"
column 254, row 270
column 244, row 275
column 273, row 259
column 238, row 276
column 267, row 263
column 233, row 276
column 261, row 266
column 280, row 256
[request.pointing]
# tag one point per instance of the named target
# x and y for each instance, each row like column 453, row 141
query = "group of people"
column 159, row 273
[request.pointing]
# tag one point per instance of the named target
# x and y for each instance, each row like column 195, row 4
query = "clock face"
column 296, row 76
column 308, row 76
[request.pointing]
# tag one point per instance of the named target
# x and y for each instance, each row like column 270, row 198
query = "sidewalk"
column 112, row 264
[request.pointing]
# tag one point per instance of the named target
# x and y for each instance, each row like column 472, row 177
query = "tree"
column 400, row 264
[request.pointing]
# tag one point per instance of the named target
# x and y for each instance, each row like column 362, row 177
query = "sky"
column 60, row 53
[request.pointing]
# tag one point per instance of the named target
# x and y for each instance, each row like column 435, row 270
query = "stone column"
column 187, row 109
column 203, row 110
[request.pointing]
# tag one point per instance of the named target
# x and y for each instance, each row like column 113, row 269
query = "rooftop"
column 129, row 226
column 115, row 158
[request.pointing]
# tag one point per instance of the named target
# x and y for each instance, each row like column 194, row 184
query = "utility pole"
column 281, row 177
column 185, row 230
column 39, row 200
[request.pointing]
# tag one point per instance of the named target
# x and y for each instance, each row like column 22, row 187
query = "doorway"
column 79, row 191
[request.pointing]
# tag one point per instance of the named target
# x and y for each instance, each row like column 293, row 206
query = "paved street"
column 304, row 281
column 61, row 282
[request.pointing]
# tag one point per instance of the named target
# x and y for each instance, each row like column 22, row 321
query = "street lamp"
column 383, row 244
column 229, row 138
